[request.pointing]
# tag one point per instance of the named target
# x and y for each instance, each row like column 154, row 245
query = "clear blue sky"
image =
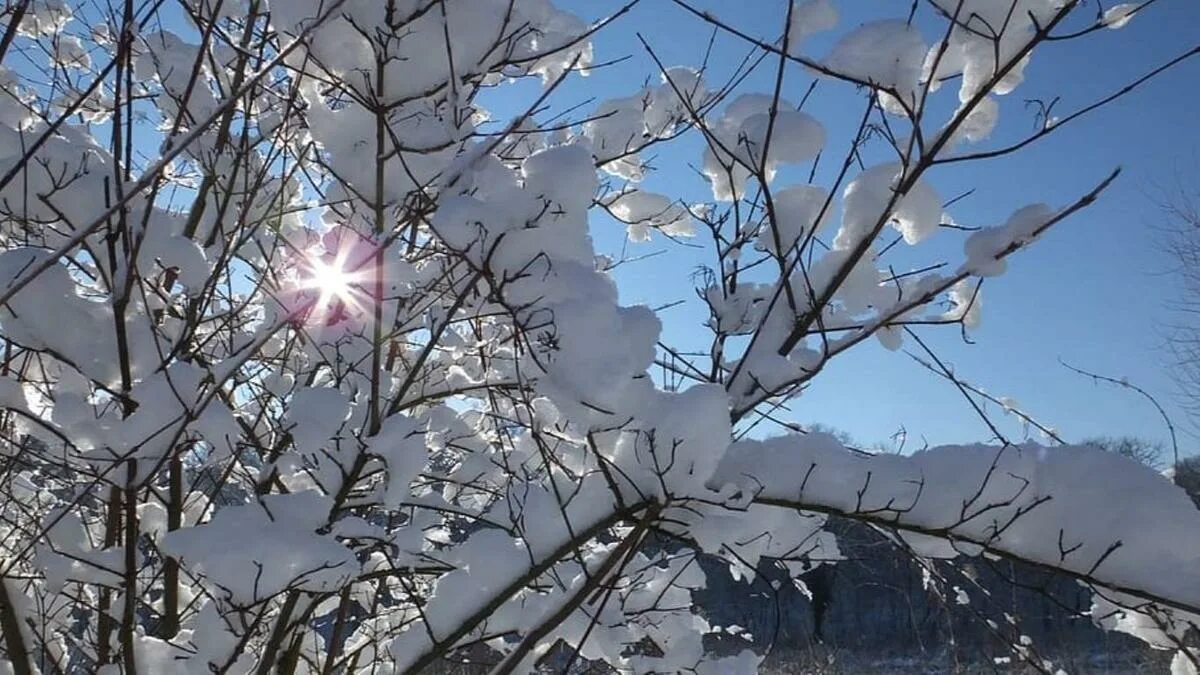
column 1095, row 291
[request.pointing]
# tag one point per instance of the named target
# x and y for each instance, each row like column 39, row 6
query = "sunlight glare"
column 335, row 285
column 330, row 280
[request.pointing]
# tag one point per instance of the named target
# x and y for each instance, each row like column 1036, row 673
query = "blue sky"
column 1095, row 291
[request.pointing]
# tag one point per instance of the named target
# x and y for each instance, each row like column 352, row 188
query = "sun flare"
column 335, row 285
column 331, row 280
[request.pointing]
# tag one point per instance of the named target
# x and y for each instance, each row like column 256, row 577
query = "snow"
column 168, row 58
column 800, row 210
column 69, row 52
column 979, row 122
column 170, row 405
column 861, row 288
column 680, row 92
column 178, row 253
column 251, row 552
column 67, row 555
column 1019, row 500
column 978, row 56
column 620, row 126
column 739, row 312
column 36, row 316
column 961, row 597
column 1182, row 665
column 916, row 214
column 1119, row 16
column 968, row 304
column 562, row 174
column 45, row 18
column 809, row 18
column 314, row 416
column 739, row 135
column 887, row 54
column 401, row 444
column 643, row 211
column 746, row 537
column 985, row 248
column 12, row 394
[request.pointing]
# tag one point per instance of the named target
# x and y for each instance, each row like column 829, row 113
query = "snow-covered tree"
column 310, row 365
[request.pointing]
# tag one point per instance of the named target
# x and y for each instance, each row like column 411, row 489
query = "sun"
column 332, row 281
column 334, row 284
column 336, row 279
